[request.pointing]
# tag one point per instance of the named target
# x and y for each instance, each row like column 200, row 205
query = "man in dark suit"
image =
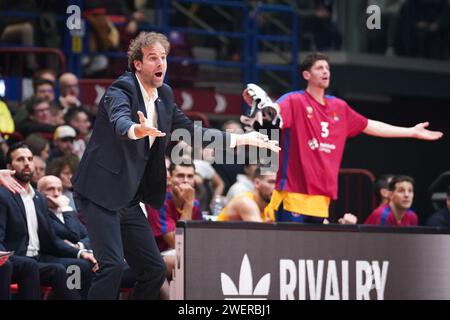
column 64, row 219
column 25, row 228
column 124, row 164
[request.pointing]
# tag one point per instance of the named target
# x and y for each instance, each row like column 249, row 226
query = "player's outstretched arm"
column 384, row 130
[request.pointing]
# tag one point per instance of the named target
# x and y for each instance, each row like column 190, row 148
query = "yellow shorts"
column 310, row 205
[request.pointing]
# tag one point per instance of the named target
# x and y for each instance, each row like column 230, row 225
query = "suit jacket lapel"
column 162, row 115
column 19, row 202
column 141, row 104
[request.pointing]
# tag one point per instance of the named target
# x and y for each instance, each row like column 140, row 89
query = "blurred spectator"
column 40, row 118
column 180, row 204
column 78, row 118
column 47, row 74
column 68, row 91
column 184, row 73
column 229, row 171
column 43, row 89
column 424, row 28
column 39, row 170
column 381, row 189
column 63, row 139
column 6, row 120
column 441, row 218
column 64, row 218
column 326, row 35
column 3, row 150
column 64, row 168
column 244, row 181
column 398, row 211
column 382, row 40
column 38, row 145
column 19, row 30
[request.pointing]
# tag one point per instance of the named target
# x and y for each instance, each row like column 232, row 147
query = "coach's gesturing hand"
column 257, row 139
column 144, row 129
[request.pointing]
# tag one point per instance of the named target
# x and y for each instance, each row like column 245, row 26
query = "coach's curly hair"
column 143, row 40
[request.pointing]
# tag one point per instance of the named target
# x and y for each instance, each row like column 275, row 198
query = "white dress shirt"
column 32, row 223
column 152, row 116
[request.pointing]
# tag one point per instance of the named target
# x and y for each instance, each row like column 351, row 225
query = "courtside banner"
column 286, row 261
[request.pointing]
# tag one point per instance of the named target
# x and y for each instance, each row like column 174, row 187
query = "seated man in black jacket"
column 64, row 219
column 25, row 228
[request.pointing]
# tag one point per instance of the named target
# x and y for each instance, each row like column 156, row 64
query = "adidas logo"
column 245, row 291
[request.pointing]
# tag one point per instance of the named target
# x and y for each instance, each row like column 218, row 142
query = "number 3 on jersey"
column 325, row 131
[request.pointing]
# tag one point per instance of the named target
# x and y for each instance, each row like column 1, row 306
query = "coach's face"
column 153, row 66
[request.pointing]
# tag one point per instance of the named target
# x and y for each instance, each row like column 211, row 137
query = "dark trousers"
column 30, row 274
column 118, row 235
column 23, row 271
column 84, row 266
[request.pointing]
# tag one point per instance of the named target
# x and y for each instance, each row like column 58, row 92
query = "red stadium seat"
column 45, row 291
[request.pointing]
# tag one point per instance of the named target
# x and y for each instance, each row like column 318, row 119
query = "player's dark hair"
column 312, row 58
column 398, row 179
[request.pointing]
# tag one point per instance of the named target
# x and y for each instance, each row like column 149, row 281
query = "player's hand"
column 419, row 132
column 144, row 129
column 257, row 139
column 348, row 218
column 7, row 180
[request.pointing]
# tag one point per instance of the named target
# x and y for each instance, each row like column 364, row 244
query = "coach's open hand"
column 144, row 129
column 257, row 139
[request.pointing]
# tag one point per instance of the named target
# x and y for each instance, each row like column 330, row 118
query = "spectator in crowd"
column 441, row 218
column 39, row 170
column 397, row 212
column 42, row 88
column 47, row 74
column 18, row 29
column 38, row 145
column 63, row 139
column 229, row 171
column 325, row 33
column 64, row 219
column 40, row 118
column 68, row 91
column 382, row 41
column 244, row 181
column 78, row 118
column 381, row 189
column 179, row 204
column 3, row 150
column 25, row 229
column 45, row 89
column 250, row 205
column 63, row 168
column 424, row 28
